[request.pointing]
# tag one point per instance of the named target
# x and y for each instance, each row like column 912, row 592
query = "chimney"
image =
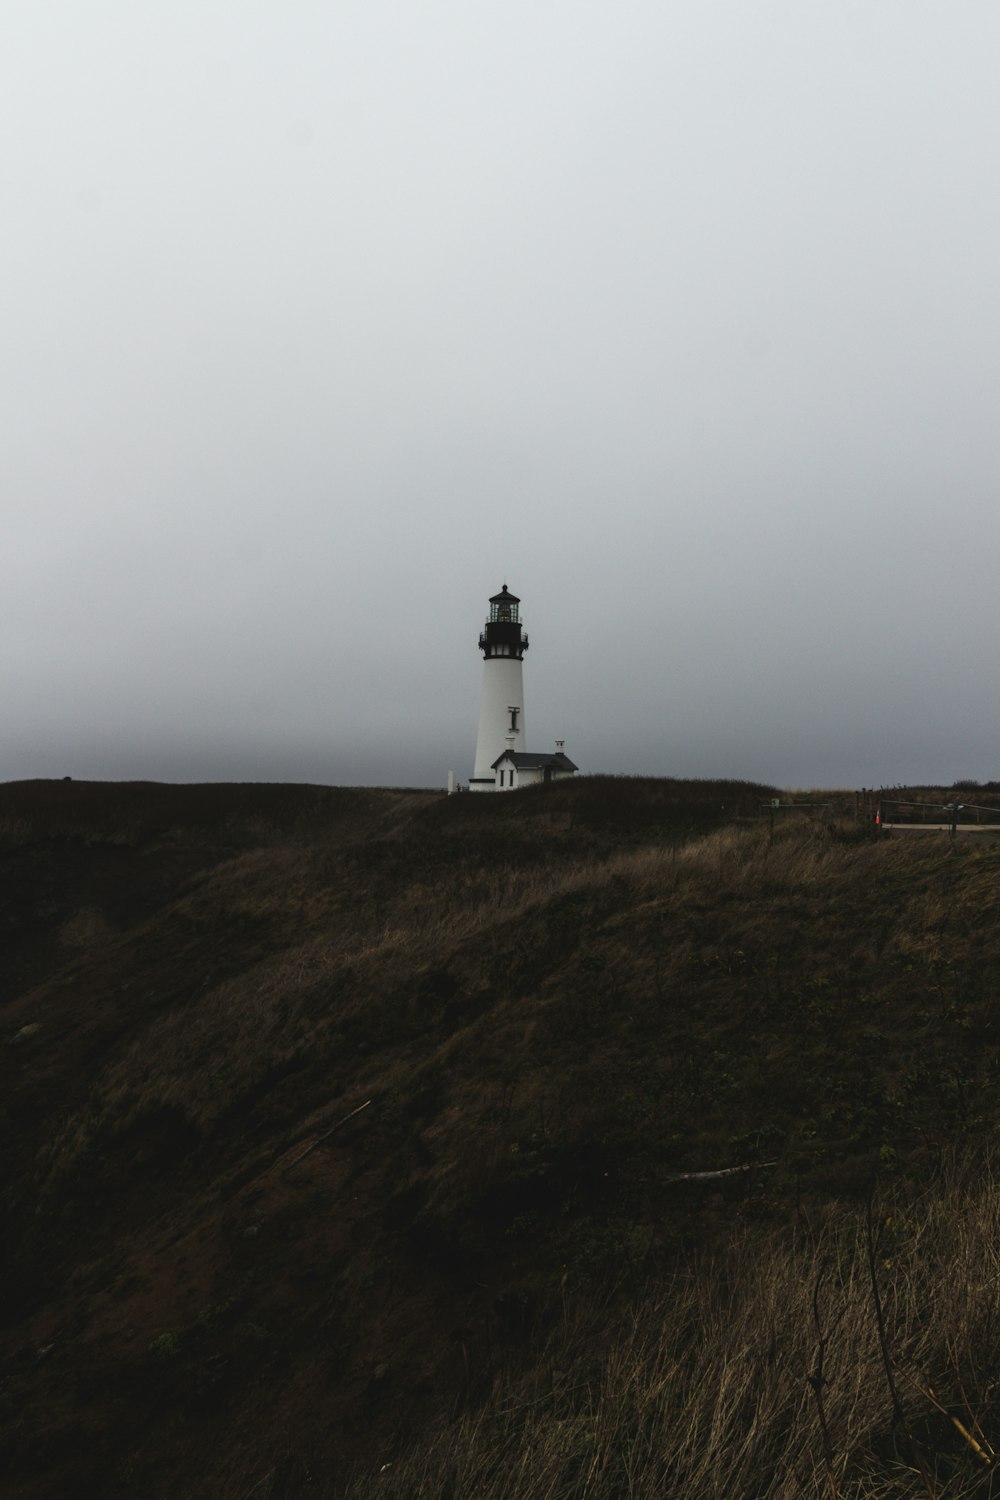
column 560, row 744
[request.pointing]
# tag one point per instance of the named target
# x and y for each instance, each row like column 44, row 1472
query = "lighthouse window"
column 513, row 718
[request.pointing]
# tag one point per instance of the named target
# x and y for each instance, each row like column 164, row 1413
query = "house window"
column 501, row 778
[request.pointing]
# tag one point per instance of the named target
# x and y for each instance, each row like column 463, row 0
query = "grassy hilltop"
column 354, row 1144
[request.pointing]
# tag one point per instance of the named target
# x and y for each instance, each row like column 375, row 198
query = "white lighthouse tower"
column 502, row 762
column 501, row 709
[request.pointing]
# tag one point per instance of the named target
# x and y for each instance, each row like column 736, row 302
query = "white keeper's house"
column 502, row 762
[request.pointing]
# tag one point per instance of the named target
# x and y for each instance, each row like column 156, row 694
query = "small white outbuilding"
column 528, row 767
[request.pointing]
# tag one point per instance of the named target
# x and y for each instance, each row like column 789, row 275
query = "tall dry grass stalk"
column 708, row 1391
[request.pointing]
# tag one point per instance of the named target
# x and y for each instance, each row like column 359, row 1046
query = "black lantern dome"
column 503, row 635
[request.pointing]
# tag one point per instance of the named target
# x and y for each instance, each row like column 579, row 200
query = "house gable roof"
column 533, row 760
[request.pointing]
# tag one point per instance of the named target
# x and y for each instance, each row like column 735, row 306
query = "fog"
column 322, row 321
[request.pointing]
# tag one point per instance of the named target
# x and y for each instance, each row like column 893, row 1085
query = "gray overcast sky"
column 322, row 318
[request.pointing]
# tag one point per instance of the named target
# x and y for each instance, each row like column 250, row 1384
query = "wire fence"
column 883, row 810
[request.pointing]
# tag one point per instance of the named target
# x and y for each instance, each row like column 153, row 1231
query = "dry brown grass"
column 708, row 1389
column 199, row 1059
column 558, row 1006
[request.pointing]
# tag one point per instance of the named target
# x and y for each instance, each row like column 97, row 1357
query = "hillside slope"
column 319, row 1103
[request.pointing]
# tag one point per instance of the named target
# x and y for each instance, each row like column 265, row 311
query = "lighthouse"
column 502, row 762
column 501, row 708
